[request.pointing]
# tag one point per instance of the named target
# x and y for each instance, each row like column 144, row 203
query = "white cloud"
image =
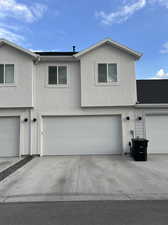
column 12, row 36
column 163, row 3
column 164, row 49
column 23, row 13
column 11, row 8
column 127, row 10
column 122, row 14
column 38, row 10
column 161, row 74
column 13, row 27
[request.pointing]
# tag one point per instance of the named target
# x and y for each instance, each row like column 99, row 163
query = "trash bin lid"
column 139, row 140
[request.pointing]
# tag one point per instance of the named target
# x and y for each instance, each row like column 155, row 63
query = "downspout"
column 32, row 124
column 37, row 60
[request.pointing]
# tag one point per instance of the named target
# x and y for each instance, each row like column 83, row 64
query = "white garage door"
column 82, row 135
column 9, row 136
column 157, row 133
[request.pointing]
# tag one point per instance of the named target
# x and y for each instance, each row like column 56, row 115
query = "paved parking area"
column 87, row 178
column 5, row 162
column 85, row 213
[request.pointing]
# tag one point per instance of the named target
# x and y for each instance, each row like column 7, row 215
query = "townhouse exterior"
column 88, row 102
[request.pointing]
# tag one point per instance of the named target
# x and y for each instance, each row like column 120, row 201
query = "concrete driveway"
column 87, row 178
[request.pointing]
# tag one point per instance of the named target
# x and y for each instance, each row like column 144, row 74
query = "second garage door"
column 82, row 135
column 157, row 133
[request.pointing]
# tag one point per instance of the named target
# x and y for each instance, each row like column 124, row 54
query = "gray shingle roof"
column 152, row 91
column 55, row 53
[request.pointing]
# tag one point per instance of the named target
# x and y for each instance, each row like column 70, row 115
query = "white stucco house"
column 88, row 102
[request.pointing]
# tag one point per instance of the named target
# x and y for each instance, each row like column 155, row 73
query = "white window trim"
column 57, row 85
column 112, row 83
column 9, row 84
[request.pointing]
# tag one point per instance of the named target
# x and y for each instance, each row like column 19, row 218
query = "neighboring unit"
column 88, row 102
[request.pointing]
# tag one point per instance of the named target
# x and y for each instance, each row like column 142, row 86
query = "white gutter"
column 151, row 106
column 57, row 58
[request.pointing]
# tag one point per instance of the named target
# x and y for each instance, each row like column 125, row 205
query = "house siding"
column 60, row 101
column 93, row 95
column 21, row 94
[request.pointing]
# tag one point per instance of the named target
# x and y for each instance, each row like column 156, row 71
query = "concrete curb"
column 82, row 197
column 12, row 168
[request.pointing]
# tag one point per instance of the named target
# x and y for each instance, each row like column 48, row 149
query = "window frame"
column 57, row 85
column 9, row 84
column 108, row 83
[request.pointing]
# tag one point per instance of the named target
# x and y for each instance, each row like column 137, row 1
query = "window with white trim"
column 107, row 73
column 57, row 75
column 6, row 74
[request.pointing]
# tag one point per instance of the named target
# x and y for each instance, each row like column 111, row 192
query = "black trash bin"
column 139, row 149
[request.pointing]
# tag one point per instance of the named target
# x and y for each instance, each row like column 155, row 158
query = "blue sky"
column 56, row 25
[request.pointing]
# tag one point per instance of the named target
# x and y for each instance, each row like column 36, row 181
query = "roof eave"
column 4, row 41
column 136, row 54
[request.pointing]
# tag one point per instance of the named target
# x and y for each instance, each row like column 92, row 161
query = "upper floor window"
column 107, row 72
column 57, row 75
column 6, row 74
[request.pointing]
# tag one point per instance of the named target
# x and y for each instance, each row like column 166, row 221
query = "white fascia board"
column 109, row 41
column 4, row 41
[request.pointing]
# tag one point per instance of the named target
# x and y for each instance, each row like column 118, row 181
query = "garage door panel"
column 9, row 136
column 157, row 133
column 82, row 135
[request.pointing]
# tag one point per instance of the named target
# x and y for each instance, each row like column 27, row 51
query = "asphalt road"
column 85, row 213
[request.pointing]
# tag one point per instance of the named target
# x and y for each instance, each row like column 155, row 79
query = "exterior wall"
column 121, row 94
column 63, row 100
column 32, row 90
column 57, row 101
column 20, row 94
